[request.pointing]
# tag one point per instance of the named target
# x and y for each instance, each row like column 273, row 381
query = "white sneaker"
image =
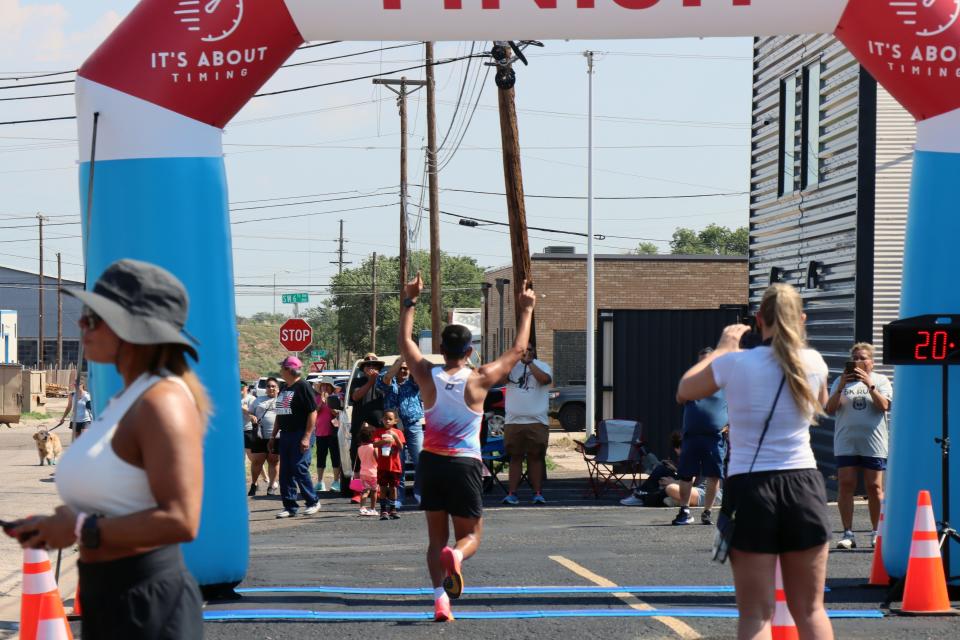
column 312, row 509
column 873, row 539
column 632, row 500
column 285, row 513
column 273, row 490
column 848, row 541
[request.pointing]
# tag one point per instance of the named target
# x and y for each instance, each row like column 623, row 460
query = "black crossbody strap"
column 766, row 424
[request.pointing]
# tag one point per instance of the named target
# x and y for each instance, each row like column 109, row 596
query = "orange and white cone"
column 878, row 573
column 39, row 593
column 53, row 623
column 784, row 628
column 925, row 590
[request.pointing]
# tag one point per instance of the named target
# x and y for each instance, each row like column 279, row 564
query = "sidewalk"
column 28, row 489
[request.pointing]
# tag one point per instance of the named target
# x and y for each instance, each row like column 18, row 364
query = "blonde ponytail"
column 782, row 312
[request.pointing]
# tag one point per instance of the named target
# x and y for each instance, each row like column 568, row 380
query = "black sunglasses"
column 89, row 320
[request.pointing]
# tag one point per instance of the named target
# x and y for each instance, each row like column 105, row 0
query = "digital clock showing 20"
column 932, row 339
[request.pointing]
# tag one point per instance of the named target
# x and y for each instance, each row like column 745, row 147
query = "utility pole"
column 512, row 173
column 339, row 262
column 373, row 308
column 59, row 314
column 436, row 293
column 402, row 94
column 40, row 300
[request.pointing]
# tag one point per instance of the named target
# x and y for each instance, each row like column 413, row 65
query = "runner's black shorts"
column 451, row 484
column 777, row 511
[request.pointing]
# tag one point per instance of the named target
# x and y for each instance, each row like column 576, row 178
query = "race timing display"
column 922, row 340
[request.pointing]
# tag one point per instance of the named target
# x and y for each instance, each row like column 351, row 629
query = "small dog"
column 48, row 446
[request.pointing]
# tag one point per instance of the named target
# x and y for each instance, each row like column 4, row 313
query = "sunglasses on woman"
column 89, row 320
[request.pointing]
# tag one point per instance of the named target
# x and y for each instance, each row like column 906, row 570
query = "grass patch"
column 36, row 415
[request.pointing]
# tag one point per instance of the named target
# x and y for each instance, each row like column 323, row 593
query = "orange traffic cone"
column 784, row 628
column 925, row 590
column 76, row 613
column 878, row 573
column 39, row 590
column 52, row 623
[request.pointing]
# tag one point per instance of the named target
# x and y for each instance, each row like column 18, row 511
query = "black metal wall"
column 651, row 349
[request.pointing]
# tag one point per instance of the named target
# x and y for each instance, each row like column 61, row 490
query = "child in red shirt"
column 389, row 442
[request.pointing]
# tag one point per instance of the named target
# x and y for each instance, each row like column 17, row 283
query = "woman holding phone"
column 132, row 486
column 859, row 401
column 774, row 492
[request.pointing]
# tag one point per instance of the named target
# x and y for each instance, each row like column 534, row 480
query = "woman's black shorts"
column 777, row 511
column 451, row 484
column 249, row 437
column 151, row 596
column 258, row 444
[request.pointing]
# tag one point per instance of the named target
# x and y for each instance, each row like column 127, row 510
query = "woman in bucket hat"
column 132, row 486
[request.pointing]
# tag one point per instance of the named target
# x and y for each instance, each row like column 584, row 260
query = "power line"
column 366, row 77
column 549, row 197
column 350, row 55
column 38, row 120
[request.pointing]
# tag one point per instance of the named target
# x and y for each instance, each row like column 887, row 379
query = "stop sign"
column 296, row 334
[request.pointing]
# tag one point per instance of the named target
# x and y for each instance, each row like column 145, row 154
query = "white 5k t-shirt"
column 750, row 380
column 527, row 401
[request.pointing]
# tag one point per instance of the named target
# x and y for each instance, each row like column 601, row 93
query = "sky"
column 672, row 118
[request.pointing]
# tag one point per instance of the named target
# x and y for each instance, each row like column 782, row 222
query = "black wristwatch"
column 90, row 532
column 409, row 302
column 873, row 387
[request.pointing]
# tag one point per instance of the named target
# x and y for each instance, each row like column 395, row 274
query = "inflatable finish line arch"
column 176, row 71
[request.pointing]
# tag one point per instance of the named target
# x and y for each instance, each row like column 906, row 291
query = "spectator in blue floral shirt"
column 401, row 394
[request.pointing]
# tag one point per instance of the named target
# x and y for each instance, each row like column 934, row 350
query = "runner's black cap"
column 456, row 340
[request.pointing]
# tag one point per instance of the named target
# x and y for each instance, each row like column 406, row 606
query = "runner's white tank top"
column 91, row 477
column 452, row 428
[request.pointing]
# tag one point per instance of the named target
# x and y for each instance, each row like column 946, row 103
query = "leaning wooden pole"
column 513, row 185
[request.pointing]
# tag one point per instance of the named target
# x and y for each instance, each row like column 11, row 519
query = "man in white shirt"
column 526, row 433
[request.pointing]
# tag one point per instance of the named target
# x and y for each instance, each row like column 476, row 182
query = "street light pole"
column 591, row 291
column 501, row 283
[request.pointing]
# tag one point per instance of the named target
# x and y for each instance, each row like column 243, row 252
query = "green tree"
column 712, row 240
column 647, row 249
column 352, row 294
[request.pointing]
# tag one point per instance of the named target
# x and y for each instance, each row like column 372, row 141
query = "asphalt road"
column 574, row 540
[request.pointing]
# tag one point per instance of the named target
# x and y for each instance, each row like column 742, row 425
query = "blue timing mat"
column 394, row 616
column 489, row 591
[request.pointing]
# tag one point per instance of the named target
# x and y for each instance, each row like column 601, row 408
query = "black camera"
column 751, row 338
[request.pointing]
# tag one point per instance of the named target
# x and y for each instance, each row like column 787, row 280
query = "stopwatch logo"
column 928, row 17
column 213, row 20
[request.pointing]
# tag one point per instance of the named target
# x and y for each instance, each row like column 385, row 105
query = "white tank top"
column 452, row 428
column 91, row 477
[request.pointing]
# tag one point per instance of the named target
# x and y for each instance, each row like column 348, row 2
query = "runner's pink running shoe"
column 441, row 610
column 453, row 583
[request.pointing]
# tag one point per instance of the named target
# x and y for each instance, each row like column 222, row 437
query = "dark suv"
column 569, row 406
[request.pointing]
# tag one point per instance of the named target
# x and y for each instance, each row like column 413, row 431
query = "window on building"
column 810, row 158
column 788, row 135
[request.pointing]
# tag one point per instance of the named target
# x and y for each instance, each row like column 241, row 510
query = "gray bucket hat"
column 142, row 303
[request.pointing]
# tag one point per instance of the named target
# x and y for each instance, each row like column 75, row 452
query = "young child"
column 368, row 470
column 389, row 442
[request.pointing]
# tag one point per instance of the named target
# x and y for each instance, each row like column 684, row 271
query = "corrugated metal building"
column 19, row 292
column 831, row 161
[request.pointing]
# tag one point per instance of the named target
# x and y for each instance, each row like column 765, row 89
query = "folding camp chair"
column 494, row 459
column 613, row 455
